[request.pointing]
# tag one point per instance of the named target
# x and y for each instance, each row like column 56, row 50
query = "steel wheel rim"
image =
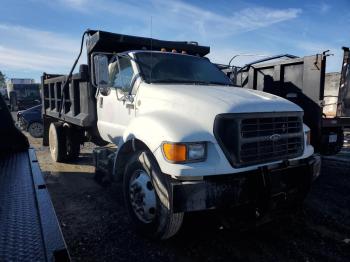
column 142, row 196
column 36, row 129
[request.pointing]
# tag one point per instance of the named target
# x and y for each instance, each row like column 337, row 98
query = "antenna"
column 150, row 76
column 258, row 55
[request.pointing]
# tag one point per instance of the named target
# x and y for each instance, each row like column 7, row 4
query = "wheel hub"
column 52, row 143
column 36, row 129
column 142, row 196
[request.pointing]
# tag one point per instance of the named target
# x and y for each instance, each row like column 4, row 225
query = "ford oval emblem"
column 274, row 137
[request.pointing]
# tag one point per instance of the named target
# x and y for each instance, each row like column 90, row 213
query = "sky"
column 39, row 36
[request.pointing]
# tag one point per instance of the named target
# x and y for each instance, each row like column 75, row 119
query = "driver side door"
column 114, row 108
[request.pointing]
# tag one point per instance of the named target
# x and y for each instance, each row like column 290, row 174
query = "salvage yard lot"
column 95, row 225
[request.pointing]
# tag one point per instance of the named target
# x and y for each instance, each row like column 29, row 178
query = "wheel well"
column 124, row 155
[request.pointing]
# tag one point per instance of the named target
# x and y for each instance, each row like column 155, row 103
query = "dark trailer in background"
column 325, row 98
column 23, row 95
column 343, row 105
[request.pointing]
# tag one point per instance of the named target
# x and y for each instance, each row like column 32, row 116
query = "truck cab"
column 164, row 98
column 186, row 139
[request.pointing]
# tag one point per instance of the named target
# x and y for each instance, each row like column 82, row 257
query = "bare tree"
column 2, row 79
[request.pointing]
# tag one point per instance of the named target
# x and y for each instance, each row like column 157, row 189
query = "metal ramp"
column 29, row 230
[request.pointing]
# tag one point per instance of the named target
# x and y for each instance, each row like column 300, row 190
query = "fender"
column 159, row 126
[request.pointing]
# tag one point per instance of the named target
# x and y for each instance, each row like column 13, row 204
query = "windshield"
column 176, row 68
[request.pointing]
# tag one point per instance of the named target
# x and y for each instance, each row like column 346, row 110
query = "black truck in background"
column 304, row 81
column 23, row 95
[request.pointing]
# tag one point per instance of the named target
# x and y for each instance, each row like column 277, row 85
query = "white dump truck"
column 185, row 138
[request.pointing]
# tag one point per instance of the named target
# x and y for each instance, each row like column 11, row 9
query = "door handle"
column 130, row 106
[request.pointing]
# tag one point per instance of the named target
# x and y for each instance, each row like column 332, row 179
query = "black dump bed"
column 75, row 103
column 300, row 80
column 29, row 230
column 101, row 41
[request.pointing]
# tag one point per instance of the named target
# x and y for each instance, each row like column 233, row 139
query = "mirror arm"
column 130, row 98
column 125, row 97
column 119, row 98
column 97, row 92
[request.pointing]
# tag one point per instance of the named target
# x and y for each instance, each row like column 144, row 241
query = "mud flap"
column 103, row 162
column 160, row 181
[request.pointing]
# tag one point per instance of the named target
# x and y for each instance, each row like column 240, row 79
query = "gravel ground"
column 96, row 228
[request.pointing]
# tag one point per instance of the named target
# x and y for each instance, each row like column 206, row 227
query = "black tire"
column 36, row 129
column 72, row 143
column 329, row 149
column 57, row 142
column 165, row 223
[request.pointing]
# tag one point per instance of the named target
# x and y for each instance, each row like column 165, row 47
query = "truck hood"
column 215, row 99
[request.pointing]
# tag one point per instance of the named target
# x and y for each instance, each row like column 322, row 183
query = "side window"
column 121, row 77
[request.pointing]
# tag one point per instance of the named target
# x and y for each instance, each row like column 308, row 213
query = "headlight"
column 184, row 152
column 308, row 137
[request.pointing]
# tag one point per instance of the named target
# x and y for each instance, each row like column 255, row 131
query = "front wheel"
column 150, row 216
column 36, row 129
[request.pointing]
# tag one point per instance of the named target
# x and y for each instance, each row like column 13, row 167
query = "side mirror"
column 101, row 71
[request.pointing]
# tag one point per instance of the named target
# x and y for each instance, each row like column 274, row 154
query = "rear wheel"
column 150, row 216
column 334, row 147
column 57, row 142
column 36, row 129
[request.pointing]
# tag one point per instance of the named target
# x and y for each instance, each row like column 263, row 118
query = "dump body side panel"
column 331, row 91
column 77, row 106
column 344, row 89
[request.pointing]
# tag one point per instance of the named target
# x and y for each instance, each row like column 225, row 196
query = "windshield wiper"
column 211, row 83
column 219, row 83
column 191, row 82
column 174, row 81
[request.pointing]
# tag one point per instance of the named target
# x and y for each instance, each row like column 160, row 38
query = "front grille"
column 248, row 139
column 257, row 127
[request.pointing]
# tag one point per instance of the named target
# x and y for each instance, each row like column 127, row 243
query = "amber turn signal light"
column 175, row 152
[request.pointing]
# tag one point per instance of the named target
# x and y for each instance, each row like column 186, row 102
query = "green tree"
column 2, row 79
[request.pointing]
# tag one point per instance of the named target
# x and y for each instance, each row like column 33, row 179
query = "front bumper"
column 269, row 187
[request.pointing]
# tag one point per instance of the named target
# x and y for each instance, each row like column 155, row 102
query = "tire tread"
column 168, row 223
column 60, row 142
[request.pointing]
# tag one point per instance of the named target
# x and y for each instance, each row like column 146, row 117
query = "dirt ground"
column 96, row 228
